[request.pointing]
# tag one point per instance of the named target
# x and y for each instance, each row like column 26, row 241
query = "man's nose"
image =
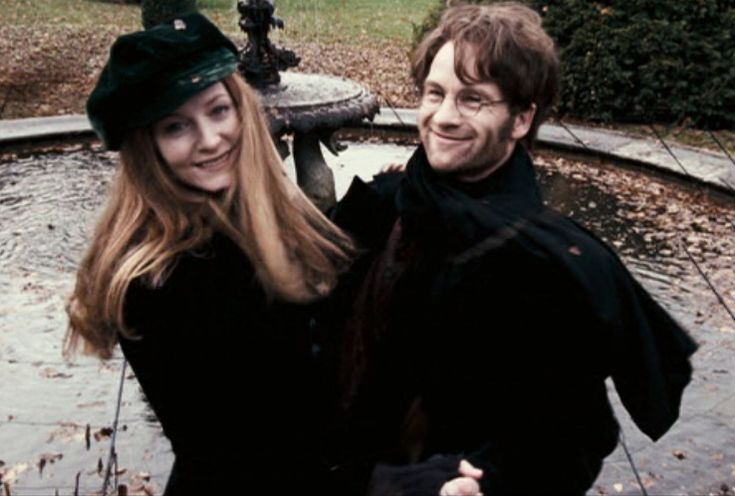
column 447, row 113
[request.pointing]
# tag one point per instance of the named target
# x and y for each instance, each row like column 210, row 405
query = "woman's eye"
column 221, row 109
column 175, row 127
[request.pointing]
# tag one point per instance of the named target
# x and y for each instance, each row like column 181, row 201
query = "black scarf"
column 505, row 209
column 462, row 223
column 459, row 214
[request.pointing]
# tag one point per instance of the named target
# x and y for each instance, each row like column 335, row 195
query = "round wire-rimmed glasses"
column 468, row 103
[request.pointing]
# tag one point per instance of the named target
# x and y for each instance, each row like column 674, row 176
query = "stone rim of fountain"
column 711, row 169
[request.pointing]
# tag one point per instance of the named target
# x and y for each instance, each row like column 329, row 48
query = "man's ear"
column 522, row 122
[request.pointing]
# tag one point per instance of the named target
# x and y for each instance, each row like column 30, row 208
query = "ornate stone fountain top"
column 260, row 60
column 309, row 106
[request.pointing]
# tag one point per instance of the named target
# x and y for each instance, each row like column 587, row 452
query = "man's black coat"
column 482, row 325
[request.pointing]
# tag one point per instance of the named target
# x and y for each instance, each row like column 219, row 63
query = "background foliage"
column 640, row 60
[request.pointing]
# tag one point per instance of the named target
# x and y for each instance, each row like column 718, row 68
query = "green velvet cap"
column 151, row 73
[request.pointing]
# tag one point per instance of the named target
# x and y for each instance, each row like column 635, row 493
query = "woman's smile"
column 217, row 163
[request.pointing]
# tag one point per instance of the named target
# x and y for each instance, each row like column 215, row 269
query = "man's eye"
column 471, row 100
column 432, row 94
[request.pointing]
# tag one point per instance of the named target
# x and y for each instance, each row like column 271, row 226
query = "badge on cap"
column 179, row 25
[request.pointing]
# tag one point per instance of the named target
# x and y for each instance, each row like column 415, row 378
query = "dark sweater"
column 228, row 374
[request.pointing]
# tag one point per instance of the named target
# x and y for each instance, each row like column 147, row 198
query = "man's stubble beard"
column 495, row 154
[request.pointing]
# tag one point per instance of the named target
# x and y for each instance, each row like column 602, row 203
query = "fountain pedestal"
column 309, row 106
column 312, row 107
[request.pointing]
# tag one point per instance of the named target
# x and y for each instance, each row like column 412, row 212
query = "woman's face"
column 200, row 140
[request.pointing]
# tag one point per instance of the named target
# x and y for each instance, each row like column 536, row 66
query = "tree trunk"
column 156, row 11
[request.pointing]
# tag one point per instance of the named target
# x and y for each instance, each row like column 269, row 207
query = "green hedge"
column 641, row 60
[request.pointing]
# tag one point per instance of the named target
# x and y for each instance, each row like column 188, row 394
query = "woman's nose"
column 209, row 136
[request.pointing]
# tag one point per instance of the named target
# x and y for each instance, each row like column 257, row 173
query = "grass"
column 361, row 25
column 91, row 13
column 329, row 21
column 349, row 20
column 78, row 13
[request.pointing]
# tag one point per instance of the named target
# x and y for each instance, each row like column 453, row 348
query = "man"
column 482, row 325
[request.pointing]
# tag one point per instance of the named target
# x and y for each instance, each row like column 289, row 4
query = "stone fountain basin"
column 48, row 203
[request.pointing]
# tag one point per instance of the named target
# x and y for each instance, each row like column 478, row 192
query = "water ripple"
column 47, row 207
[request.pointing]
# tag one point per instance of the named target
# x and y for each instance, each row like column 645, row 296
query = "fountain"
column 47, row 204
column 54, row 422
column 311, row 107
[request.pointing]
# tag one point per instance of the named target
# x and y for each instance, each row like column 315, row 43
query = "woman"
column 202, row 262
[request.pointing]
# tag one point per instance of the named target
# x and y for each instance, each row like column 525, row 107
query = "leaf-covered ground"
column 51, row 71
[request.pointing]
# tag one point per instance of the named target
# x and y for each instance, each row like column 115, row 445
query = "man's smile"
column 448, row 138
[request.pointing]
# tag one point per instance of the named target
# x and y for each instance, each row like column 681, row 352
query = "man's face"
column 470, row 147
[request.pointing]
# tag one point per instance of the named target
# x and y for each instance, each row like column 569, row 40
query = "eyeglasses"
column 468, row 103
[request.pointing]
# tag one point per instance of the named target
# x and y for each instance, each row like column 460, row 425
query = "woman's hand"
column 466, row 485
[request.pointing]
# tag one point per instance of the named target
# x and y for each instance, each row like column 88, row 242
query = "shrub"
column 640, row 60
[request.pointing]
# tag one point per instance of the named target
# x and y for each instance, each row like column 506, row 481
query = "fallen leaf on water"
column 66, row 432
column 51, row 373
column 12, row 473
column 141, row 485
column 103, row 433
column 649, row 482
column 46, row 458
column 601, row 491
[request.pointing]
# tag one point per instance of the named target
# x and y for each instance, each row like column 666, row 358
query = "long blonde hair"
column 151, row 218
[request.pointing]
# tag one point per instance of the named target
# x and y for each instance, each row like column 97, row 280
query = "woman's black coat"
column 228, row 374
